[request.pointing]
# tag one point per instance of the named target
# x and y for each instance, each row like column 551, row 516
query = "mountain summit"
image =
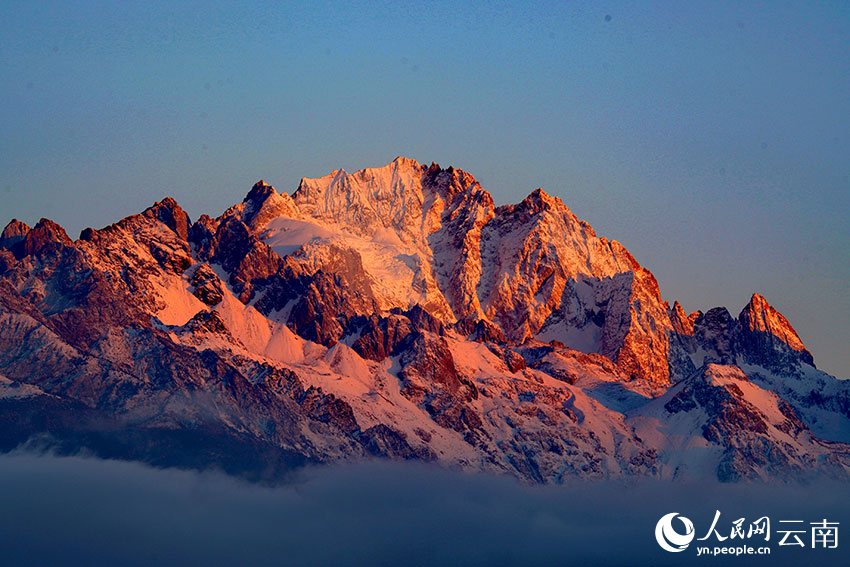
column 395, row 312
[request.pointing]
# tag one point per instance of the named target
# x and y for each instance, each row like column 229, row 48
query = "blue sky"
column 712, row 139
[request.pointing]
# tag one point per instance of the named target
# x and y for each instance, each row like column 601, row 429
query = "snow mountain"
column 395, row 312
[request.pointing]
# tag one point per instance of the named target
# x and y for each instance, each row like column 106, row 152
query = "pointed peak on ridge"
column 172, row 215
column 44, row 236
column 538, row 201
column 758, row 306
column 15, row 229
column 759, row 315
column 259, row 192
column 406, row 161
column 763, row 327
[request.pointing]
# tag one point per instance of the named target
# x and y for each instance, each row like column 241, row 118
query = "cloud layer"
column 76, row 511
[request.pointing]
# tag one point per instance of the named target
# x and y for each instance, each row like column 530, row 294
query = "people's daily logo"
column 674, row 533
column 667, row 536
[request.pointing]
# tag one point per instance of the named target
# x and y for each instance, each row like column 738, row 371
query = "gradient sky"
column 712, row 139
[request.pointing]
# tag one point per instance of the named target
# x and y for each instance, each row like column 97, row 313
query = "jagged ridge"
column 396, row 312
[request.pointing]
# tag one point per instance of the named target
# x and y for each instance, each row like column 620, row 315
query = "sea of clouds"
column 84, row 511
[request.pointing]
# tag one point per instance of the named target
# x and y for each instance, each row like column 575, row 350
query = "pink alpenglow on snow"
column 396, row 313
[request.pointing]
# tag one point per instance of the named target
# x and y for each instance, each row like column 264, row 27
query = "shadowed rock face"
column 715, row 331
column 15, row 229
column 171, row 215
column 760, row 336
column 12, row 237
column 396, row 313
column 45, row 238
column 766, row 338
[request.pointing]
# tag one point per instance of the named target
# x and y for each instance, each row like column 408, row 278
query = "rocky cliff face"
column 432, row 237
column 395, row 312
column 766, row 338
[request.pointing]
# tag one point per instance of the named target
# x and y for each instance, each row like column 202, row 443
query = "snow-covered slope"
column 432, row 237
column 395, row 312
column 720, row 420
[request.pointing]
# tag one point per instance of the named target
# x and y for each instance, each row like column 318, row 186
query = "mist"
column 82, row 511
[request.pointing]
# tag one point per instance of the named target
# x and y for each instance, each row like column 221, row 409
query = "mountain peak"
column 542, row 199
column 758, row 301
column 402, row 161
column 758, row 316
column 448, row 182
column 367, row 200
column 394, row 312
column 14, row 229
column 259, row 192
column 13, row 236
column 680, row 321
column 45, row 233
column 536, row 202
column 399, row 166
column 172, row 215
column 264, row 204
